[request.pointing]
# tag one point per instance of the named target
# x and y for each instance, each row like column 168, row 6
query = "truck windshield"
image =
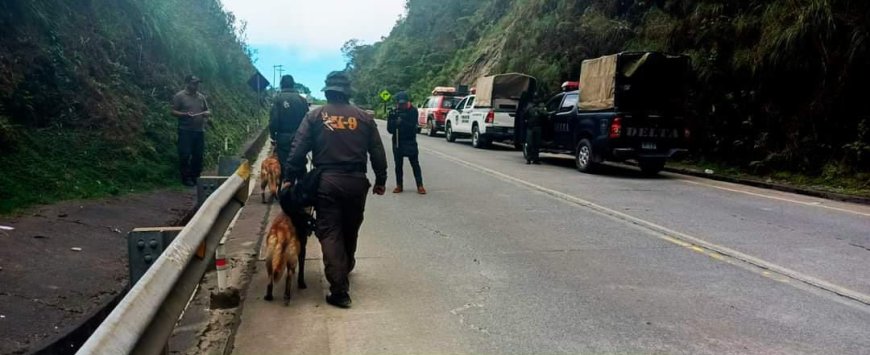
column 449, row 102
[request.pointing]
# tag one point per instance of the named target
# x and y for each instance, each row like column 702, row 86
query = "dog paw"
column 268, row 298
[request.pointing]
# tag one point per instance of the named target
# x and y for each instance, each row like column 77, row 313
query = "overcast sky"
column 306, row 36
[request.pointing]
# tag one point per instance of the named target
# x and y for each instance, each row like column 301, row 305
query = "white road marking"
column 804, row 203
column 667, row 234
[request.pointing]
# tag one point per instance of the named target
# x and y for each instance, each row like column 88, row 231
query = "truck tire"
column 430, row 123
column 651, row 167
column 478, row 140
column 584, row 157
column 448, row 133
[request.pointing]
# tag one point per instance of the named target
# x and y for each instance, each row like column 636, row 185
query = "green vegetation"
column 778, row 86
column 85, row 86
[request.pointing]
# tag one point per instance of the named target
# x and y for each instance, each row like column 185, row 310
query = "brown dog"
column 270, row 176
column 285, row 246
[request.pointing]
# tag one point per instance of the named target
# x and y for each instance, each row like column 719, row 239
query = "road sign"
column 258, row 82
column 385, row 95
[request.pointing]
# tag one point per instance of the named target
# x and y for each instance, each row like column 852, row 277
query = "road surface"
column 502, row 257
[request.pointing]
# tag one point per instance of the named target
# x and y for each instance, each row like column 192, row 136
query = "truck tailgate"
column 504, row 119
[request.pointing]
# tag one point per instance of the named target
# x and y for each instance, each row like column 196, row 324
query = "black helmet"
column 338, row 81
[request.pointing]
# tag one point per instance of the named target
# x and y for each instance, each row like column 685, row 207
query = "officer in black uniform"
column 288, row 110
column 402, row 124
column 341, row 137
column 534, row 116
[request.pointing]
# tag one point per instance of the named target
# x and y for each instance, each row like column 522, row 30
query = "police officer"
column 288, row 110
column 402, row 124
column 191, row 109
column 534, row 116
column 341, row 137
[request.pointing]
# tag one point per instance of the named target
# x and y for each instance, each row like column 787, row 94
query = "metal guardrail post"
column 143, row 321
column 228, row 165
column 144, row 246
column 207, row 185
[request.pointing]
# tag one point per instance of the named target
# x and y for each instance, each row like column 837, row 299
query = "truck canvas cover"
column 506, row 89
column 646, row 81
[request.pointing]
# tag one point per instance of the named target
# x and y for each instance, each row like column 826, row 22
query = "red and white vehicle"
column 433, row 111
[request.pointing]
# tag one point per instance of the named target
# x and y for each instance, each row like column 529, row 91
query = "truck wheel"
column 584, row 157
column 477, row 139
column 432, row 129
column 651, row 167
column 448, row 134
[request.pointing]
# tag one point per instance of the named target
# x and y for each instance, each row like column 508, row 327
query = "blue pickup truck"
column 629, row 106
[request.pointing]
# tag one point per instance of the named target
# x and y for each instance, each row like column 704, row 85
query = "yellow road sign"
column 385, row 95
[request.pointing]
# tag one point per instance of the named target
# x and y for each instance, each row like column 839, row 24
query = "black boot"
column 340, row 300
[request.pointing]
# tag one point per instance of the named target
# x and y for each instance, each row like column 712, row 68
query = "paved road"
column 501, row 257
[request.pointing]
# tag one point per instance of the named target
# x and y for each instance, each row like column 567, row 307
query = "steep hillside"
column 85, row 86
column 779, row 85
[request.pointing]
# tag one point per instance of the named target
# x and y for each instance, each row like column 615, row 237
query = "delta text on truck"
column 629, row 106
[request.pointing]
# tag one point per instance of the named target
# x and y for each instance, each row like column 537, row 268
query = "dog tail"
column 275, row 259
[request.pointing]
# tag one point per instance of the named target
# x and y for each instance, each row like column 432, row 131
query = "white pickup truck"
column 489, row 115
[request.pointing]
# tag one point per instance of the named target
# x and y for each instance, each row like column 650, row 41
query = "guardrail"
column 144, row 319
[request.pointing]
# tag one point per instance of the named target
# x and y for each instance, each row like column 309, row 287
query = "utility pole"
column 279, row 68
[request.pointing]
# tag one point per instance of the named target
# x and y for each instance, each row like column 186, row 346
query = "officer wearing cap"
column 191, row 109
column 402, row 124
column 288, row 110
column 341, row 137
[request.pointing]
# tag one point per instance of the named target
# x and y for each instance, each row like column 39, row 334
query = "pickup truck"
column 628, row 106
column 433, row 112
column 490, row 114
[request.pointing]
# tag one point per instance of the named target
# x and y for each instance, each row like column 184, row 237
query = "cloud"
column 315, row 27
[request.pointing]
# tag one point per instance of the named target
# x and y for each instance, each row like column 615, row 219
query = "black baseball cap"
column 192, row 79
column 402, row 97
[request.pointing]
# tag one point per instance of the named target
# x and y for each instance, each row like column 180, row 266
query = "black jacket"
column 402, row 124
column 338, row 135
column 287, row 113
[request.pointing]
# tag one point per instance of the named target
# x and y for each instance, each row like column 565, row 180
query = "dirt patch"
column 64, row 260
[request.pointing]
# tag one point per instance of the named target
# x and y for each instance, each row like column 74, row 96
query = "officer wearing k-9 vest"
column 342, row 138
column 288, row 110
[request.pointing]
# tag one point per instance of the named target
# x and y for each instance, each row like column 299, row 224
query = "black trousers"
column 398, row 157
column 533, row 141
column 341, row 200
column 191, row 146
column 283, row 143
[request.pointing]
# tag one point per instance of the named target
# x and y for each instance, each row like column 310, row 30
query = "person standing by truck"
column 191, row 109
column 402, row 124
column 534, row 116
column 288, row 110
